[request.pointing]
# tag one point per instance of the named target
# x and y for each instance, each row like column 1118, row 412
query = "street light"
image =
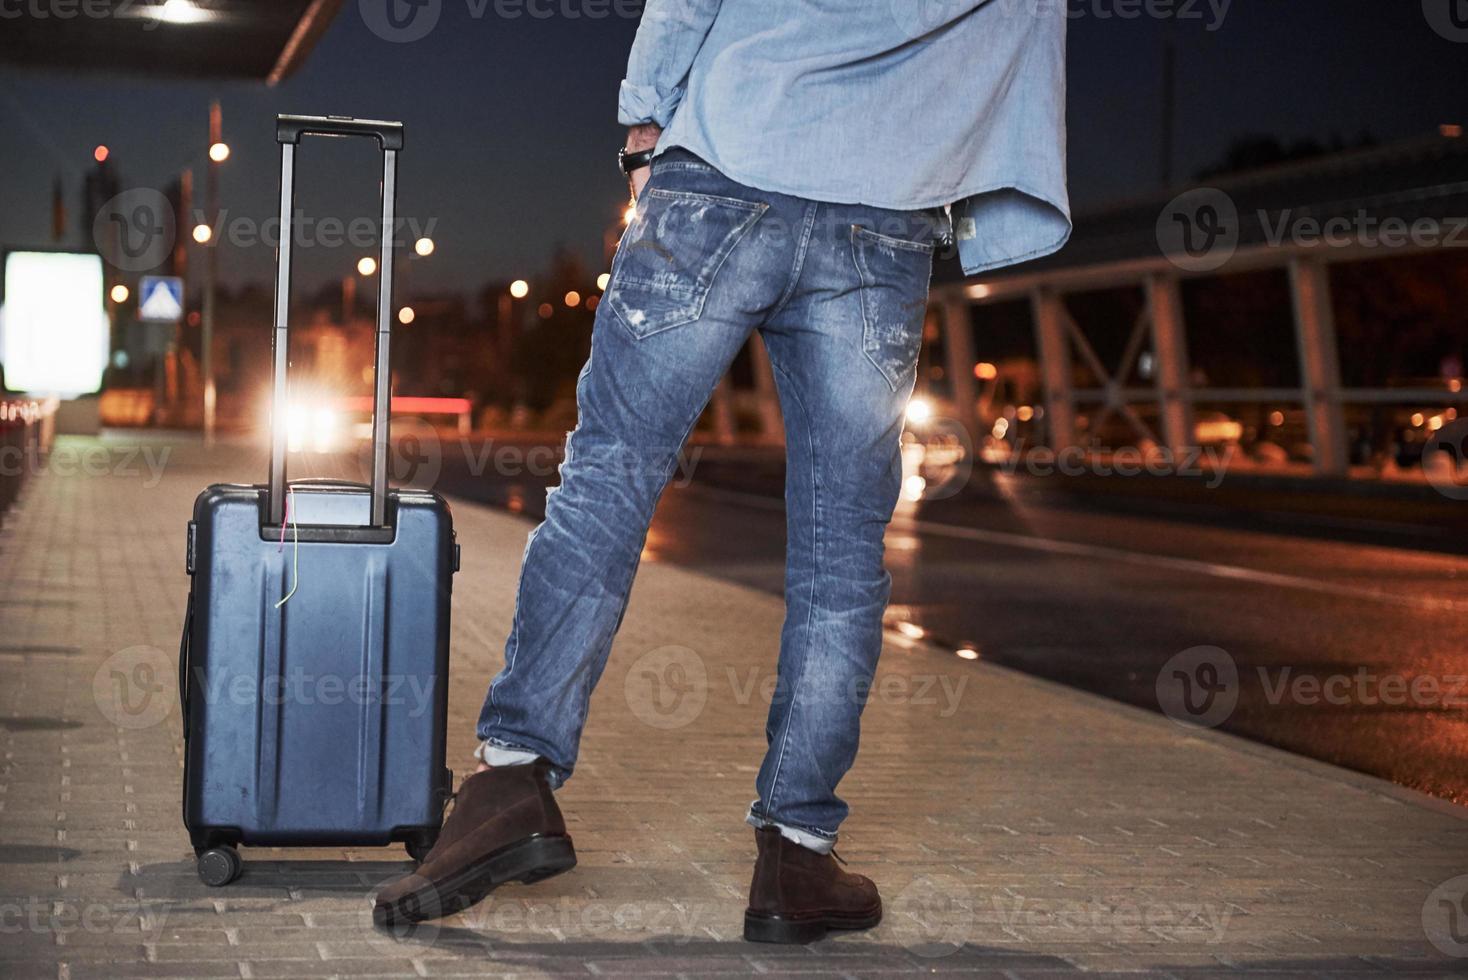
column 366, row 266
column 219, row 152
column 120, row 294
column 424, row 247
column 602, row 280
column 100, row 154
column 519, row 289
column 202, row 234
column 406, row 315
column 573, row 298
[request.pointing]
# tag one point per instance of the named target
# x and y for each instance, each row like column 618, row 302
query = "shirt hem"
column 777, row 187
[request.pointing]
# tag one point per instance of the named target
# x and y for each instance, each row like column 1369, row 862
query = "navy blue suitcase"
column 319, row 720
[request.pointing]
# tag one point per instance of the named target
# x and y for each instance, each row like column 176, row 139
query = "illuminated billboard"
column 53, row 323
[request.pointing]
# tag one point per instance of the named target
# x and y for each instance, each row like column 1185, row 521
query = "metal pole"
column 958, row 346
column 1169, row 98
column 1320, row 372
column 211, row 274
column 1165, row 306
column 1054, row 367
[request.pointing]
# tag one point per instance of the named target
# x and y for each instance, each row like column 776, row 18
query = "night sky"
column 512, row 132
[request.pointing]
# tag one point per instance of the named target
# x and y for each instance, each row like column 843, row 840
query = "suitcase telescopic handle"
column 289, row 130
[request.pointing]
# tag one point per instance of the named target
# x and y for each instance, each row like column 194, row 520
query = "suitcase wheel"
column 218, row 866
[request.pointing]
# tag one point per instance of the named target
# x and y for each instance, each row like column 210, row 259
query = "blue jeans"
column 838, row 293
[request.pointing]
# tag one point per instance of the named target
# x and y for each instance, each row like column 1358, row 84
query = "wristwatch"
column 629, row 160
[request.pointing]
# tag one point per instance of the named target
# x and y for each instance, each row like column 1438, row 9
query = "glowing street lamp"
column 202, row 234
column 519, row 289
column 219, row 152
column 424, row 247
column 120, row 294
column 406, row 315
column 366, row 266
column 100, row 154
column 602, row 280
column 573, row 298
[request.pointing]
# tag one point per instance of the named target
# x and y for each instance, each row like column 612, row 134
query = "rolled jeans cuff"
column 497, row 756
column 817, row 842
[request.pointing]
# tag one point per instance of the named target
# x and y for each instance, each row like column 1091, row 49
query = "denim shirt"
column 902, row 104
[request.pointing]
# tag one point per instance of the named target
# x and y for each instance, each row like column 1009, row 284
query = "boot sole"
column 760, row 927
column 527, row 861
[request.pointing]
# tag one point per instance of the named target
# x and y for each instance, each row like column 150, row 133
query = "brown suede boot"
column 505, row 826
column 798, row 895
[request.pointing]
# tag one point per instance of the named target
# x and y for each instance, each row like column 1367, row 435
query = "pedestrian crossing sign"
column 160, row 299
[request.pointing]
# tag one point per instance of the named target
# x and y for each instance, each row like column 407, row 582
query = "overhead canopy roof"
column 264, row 40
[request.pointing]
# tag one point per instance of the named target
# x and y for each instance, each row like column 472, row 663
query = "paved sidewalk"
column 1016, row 828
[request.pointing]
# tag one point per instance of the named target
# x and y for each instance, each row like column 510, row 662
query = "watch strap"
column 630, row 160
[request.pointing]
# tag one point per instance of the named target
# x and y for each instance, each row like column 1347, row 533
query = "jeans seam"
column 800, row 252
column 814, row 578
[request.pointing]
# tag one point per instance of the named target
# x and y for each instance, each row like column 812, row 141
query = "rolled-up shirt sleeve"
column 667, row 40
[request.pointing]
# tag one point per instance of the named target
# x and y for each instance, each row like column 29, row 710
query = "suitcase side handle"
column 289, row 130
column 184, row 645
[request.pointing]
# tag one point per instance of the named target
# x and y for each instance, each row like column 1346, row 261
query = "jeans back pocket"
column 894, row 299
column 671, row 253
